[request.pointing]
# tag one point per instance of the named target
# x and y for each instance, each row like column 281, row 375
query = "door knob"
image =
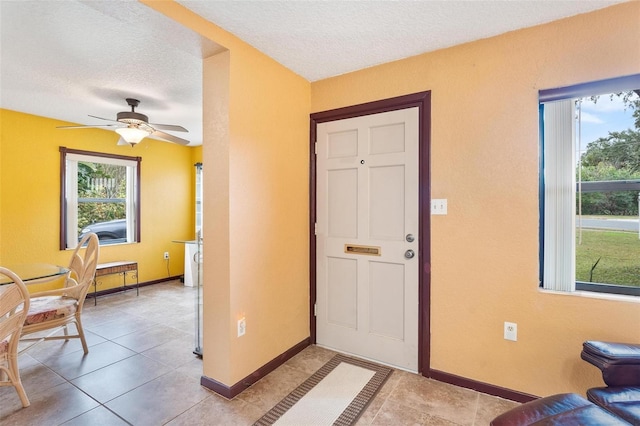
column 409, row 254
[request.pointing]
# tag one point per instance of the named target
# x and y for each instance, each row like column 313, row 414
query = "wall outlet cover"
column 242, row 326
column 511, row 331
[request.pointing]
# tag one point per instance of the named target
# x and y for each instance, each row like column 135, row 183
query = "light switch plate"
column 439, row 206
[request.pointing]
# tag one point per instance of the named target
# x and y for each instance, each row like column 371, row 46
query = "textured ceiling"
column 320, row 39
column 66, row 59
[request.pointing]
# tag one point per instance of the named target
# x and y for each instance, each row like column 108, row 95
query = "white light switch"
column 439, row 206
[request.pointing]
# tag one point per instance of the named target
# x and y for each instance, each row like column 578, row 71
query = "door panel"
column 386, row 203
column 342, row 203
column 386, row 285
column 342, row 144
column 367, row 202
column 342, row 279
column 387, row 139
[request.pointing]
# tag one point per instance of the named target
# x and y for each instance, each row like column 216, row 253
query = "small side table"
column 112, row 268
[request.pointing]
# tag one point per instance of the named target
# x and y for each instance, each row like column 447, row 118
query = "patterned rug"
column 336, row 394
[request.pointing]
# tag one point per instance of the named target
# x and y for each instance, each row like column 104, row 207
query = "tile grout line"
column 475, row 412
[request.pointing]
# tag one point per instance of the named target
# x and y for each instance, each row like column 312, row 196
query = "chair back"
column 82, row 267
column 14, row 305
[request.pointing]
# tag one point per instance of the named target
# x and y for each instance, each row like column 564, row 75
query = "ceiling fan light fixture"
column 137, row 127
column 132, row 134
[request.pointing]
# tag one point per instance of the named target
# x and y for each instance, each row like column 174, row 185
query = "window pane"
column 607, row 243
column 608, row 175
column 102, row 191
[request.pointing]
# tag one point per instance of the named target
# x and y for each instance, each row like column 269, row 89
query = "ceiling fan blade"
column 170, row 138
column 88, row 126
column 170, row 127
column 101, row 118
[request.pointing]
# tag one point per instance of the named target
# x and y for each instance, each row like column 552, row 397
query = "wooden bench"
column 113, row 268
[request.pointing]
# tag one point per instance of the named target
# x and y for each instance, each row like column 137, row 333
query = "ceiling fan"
column 136, row 127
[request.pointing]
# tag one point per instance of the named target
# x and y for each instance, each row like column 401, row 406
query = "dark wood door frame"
column 422, row 101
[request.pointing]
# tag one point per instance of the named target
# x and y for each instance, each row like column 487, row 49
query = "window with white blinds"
column 590, row 188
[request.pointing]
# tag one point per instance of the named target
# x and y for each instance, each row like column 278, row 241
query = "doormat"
column 336, row 394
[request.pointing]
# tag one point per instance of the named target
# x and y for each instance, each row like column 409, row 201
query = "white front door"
column 367, row 230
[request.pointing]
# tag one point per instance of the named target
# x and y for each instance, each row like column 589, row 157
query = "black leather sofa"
column 616, row 404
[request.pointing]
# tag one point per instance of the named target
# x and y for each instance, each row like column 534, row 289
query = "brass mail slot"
column 368, row 250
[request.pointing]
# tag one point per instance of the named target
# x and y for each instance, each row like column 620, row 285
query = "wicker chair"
column 14, row 305
column 55, row 309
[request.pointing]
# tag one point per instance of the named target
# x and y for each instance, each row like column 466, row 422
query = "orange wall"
column 256, row 245
column 484, row 252
column 30, row 194
column 485, row 162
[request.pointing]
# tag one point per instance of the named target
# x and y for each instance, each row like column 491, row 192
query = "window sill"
column 594, row 295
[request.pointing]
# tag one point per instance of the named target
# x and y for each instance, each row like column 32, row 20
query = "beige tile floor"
column 140, row 370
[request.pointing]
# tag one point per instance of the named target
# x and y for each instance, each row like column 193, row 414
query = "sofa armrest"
column 561, row 409
column 619, row 362
column 623, row 402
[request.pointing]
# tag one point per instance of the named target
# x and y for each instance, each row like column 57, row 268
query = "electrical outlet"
column 242, row 326
column 166, row 255
column 511, row 331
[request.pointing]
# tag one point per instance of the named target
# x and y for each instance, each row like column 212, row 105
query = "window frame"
column 64, row 207
column 572, row 92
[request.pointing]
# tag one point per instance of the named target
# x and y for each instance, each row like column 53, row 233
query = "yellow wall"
column 30, row 194
column 256, row 245
column 484, row 147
